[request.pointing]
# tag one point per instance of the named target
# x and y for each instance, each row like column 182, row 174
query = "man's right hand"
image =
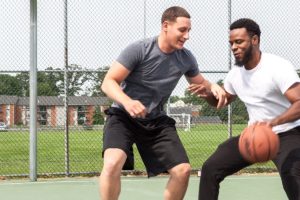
column 135, row 108
column 216, row 96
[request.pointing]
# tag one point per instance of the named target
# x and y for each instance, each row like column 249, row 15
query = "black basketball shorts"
column 157, row 140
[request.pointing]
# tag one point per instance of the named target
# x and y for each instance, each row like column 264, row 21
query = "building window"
column 81, row 111
column 42, row 115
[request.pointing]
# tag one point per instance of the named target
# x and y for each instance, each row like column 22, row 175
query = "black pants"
column 226, row 160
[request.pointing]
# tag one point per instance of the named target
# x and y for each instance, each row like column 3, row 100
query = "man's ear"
column 255, row 39
column 165, row 25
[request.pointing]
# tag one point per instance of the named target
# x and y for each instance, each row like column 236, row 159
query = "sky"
column 99, row 29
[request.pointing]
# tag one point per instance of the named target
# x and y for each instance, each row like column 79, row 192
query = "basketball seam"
column 253, row 144
column 269, row 146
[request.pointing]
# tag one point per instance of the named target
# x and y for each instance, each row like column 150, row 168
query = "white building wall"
column 60, row 116
column 8, row 115
column 48, row 115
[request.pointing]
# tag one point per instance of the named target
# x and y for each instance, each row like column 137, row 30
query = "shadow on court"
column 233, row 188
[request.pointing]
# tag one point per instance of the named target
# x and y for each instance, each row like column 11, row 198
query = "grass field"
column 85, row 148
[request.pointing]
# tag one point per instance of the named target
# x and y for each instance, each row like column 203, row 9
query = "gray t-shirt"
column 154, row 74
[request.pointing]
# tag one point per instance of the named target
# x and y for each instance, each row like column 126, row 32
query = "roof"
column 180, row 110
column 85, row 100
column 55, row 100
column 207, row 119
column 50, row 101
column 188, row 109
column 5, row 99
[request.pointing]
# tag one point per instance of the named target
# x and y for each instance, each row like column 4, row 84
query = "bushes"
column 98, row 117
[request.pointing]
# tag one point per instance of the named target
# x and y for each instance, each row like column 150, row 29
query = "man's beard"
column 247, row 57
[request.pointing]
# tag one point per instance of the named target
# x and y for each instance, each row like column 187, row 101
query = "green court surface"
column 253, row 187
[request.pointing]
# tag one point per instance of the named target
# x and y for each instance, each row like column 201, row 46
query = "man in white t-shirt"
column 270, row 88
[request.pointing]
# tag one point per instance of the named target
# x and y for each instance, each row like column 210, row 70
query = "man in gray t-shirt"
column 154, row 74
column 140, row 82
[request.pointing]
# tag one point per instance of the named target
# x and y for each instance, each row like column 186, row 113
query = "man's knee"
column 111, row 168
column 114, row 160
column 182, row 170
column 210, row 171
column 291, row 166
column 208, row 167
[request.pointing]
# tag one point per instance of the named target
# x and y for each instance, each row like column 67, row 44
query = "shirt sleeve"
column 131, row 56
column 228, row 83
column 193, row 70
column 285, row 76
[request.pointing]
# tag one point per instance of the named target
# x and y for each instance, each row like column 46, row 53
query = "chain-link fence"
column 76, row 43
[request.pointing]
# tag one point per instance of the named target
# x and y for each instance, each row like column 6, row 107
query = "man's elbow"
column 104, row 87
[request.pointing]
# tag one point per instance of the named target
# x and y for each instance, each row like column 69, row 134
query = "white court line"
column 198, row 178
column 132, row 179
column 253, row 177
column 48, row 182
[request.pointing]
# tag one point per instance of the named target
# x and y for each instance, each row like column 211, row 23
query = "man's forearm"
column 113, row 90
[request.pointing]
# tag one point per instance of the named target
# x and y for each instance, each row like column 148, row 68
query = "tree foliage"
column 239, row 111
column 23, row 80
column 174, row 99
column 97, row 117
column 9, row 85
column 96, row 79
column 76, row 79
column 51, row 83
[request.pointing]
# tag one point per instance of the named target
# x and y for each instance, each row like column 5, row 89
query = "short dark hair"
column 251, row 26
column 173, row 12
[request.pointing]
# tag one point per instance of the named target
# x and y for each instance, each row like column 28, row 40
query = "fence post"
column 229, row 67
column 66, row 103
column 33, row 91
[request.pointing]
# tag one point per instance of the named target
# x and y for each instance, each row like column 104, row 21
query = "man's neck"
column 254, row 61
column 163, row 45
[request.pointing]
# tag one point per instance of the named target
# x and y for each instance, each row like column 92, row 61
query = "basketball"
column 258, row 143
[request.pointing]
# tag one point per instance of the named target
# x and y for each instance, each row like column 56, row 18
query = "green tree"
column 23, row 79
column 208, row 110
column 48, row 82
column 76, row 79
column 9, row 85
column 192, row 99
column 174, row 99
column 239, row 112
column 96, row 79
column 97, row 117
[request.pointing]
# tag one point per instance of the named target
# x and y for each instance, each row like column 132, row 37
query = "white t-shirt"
column 262, row 89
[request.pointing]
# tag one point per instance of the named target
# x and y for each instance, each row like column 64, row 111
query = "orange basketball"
column 258, row 143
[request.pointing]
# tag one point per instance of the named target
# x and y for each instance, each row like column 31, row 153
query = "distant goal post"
column 183, row 120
